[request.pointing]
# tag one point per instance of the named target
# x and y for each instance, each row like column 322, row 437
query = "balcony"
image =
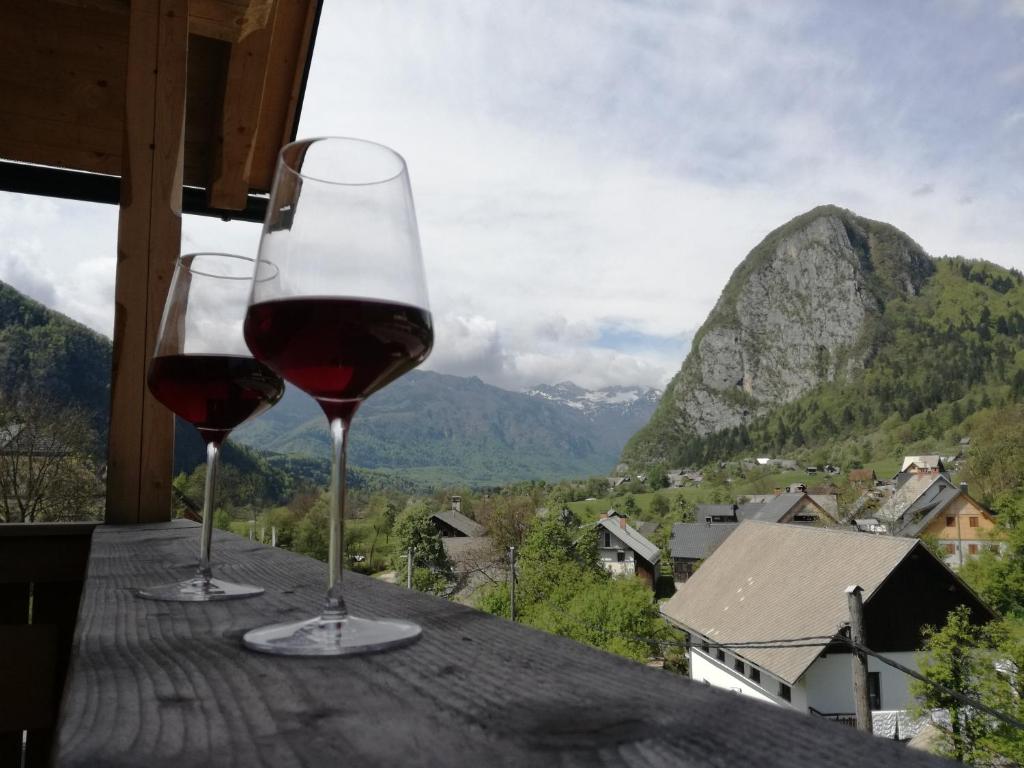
column 170, row 684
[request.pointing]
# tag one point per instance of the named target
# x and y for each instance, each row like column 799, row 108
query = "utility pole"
column 512, row 581
column 408, row 568
column 861, row 698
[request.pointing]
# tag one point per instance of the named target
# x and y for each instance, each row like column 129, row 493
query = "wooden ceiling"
column 62, row 87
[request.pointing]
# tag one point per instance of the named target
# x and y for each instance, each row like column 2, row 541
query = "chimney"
column 963, row 488
column 622, row 523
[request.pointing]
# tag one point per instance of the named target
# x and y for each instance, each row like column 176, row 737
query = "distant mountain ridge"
column 445, row 429
column 426, row 428
column 596, row 403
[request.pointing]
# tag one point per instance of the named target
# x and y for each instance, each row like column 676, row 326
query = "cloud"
column 588, row 175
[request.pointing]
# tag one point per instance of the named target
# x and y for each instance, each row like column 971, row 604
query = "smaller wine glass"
column 203, row 371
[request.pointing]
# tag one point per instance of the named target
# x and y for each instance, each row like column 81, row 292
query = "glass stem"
column 212, row 457
column 334, row 607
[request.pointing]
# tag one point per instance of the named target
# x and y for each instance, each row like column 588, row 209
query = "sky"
column 588, row 173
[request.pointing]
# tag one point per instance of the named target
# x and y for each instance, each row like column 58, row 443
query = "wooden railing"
column 42, row 569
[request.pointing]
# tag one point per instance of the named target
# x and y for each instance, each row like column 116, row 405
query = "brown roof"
column 861, row 475
column 773, row 582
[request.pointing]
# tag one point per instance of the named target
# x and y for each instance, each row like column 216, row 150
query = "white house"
column 623, row 551
column 776, row 585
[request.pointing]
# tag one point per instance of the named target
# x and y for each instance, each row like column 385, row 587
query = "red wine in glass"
column 339, row 350
column 340, row 311
column 203, row 371
column 214, row 393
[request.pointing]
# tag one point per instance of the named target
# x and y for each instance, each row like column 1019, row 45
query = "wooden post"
column 861, row 699
column 512, row 582
column 141, row 444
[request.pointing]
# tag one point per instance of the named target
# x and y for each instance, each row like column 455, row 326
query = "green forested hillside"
column 933, row 359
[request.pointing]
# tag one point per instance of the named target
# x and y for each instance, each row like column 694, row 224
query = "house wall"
column 960, row 539
column 807, row 507
column 610, row 559
column 829, row 682
column 706, row 668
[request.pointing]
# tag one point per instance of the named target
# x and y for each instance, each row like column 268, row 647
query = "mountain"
column 831, row 326
column 445, row 429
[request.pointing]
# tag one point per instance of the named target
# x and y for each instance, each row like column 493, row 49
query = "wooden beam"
column 289, row 48
column 148, row 241
column 229, row 20
column 240, row 115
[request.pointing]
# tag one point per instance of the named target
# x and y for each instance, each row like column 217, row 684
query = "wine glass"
column 345, row 314
column 203, row 371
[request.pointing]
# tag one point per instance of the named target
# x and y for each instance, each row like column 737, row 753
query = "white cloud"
column 580, row 166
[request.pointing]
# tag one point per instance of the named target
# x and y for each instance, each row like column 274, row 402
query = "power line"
column 963, row 699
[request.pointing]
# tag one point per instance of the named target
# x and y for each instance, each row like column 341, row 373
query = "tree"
column 629, row 506
column 561, row 588
column 952, row 659
column 659, row 506
column 508, row 519
column 432, row 570
column 996, row 461
column 682, row 509
column 48, row 469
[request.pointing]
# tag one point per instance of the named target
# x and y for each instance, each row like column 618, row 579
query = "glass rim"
column 186, row 259
column 403, row 168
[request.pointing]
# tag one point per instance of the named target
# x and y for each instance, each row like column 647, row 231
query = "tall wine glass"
column 345, row 315
column 203, row 371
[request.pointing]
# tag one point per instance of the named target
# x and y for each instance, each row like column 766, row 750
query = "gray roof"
column 632, row 539
column 770, row 511
column 460, row 523
column 907, row 493
column 929, row 461
column 926, row 508
column 771, row 582
column 695, row 541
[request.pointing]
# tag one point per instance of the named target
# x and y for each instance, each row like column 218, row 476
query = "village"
column 763, row 587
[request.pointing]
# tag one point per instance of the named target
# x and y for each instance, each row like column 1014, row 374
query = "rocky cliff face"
column 795, row 313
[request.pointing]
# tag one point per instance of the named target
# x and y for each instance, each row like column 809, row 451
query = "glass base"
column 320, row 637
column 199, row 590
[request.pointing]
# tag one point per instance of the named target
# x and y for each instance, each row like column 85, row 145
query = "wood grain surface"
column 168, row 684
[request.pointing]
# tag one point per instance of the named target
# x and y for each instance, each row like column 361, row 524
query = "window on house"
column 720, row 654
column 755, row 675
column 951, row 549
column 874, row 691
column 784, row 692
column 738, row 666
column 972, row 549
column 974, row 522
column 994, row 548
column 607, row 539
column 622, row 556
column 950, row 522
column 704, row 646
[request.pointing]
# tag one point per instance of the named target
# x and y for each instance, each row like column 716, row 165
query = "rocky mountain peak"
column 793, row 315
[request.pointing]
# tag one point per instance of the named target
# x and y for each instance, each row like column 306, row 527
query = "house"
column 615, row 482
column 948, row 515
column 452, row 523
column 907, row 489
column 692, row 543
column 772, row 583
column 862, row 478
column 926, row 465
column 475, row 563
column 622, row 550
